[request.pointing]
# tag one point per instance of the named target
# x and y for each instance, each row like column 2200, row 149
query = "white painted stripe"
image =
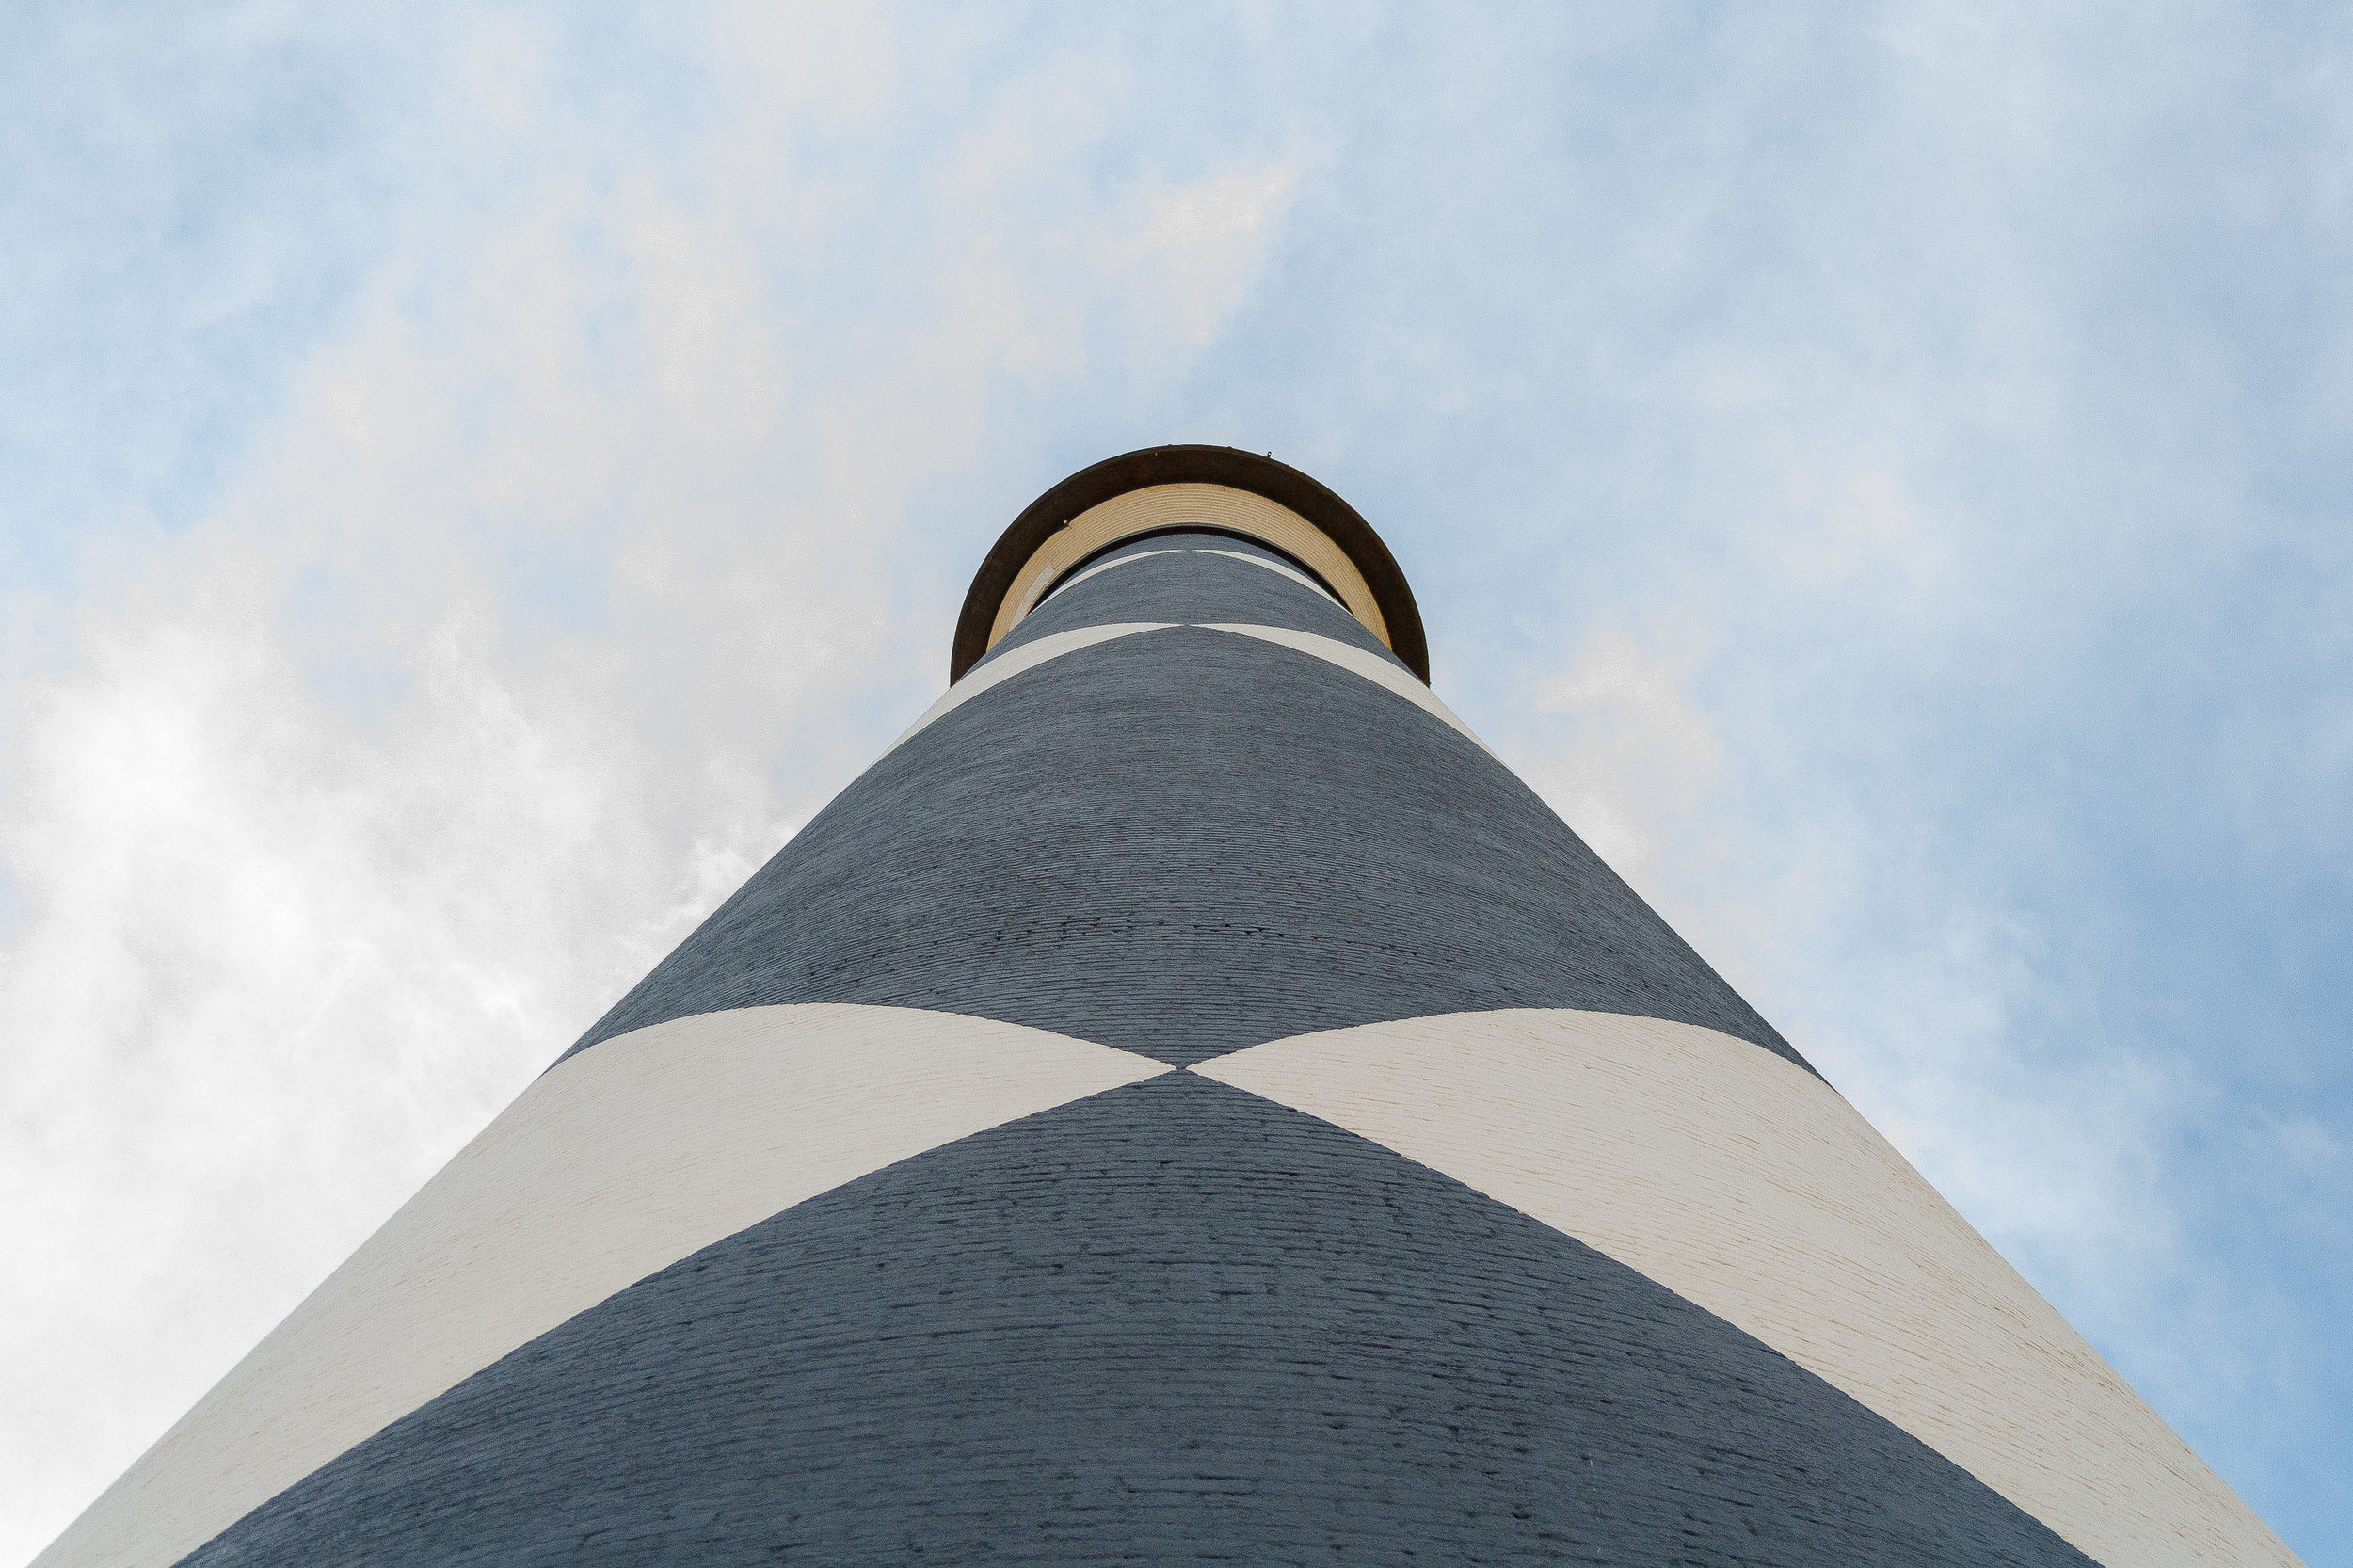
column 1099, row 570
column 1280, row 569
column 1748, row 1186
column 614, row 1164
column 1357, row 661
column 980, row 677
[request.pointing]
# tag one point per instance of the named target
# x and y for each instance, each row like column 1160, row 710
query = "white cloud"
column 564, row 592
column 1198, row 248
column 1933, row 1012
column 1638, row 765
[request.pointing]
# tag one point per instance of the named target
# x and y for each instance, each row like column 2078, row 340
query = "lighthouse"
column 1187, row 1101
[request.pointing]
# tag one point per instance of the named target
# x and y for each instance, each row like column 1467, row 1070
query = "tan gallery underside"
column 1159, row 506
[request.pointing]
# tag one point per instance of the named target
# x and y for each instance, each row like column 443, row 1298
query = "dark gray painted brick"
column 1182, row 843
column 1192, row 583
column 1174, row 1323
column 1184, row 539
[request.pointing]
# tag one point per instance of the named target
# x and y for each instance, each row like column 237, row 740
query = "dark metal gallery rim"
column 1190, row 465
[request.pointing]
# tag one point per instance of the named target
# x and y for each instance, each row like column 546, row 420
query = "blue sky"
column 480, row 477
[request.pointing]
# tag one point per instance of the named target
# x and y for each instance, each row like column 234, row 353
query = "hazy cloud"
column 564, row 590
column 491, row 474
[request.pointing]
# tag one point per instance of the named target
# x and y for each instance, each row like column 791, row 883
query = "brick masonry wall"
column 1174, row 1321
column 1185, row 842
column 1170, row 1324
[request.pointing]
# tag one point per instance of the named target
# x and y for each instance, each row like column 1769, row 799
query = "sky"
column 478, row 477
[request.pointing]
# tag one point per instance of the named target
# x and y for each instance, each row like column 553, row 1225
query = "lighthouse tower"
column 1186, row 1102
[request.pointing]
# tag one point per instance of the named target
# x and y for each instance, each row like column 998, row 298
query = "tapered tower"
column 1187, row 1101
